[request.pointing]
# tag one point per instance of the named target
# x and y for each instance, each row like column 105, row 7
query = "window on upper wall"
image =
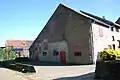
column 77, row 53
column 117, row 29
column 112, row 29
column 114, row 46
column 113, row 39
column 118, row 43
column 44, row 53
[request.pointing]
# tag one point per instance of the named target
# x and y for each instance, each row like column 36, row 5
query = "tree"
column 10, row 54
column 7, row 54
column 1, row 53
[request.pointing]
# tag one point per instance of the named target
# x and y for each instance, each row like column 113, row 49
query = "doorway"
column 63, row 57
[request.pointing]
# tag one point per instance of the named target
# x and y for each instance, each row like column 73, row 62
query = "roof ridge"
column 105, row 22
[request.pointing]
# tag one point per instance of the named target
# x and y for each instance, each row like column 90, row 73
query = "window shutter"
column 109, row 46
column 100, row 32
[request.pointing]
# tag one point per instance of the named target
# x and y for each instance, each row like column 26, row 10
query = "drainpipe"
column 91, row 42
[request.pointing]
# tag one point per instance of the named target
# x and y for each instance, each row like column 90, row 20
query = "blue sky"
column 24, row 19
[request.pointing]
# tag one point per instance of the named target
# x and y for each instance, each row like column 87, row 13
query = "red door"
column 62, row 57
column 36, row 55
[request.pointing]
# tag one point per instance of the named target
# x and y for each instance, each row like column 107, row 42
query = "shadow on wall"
column 89, row 76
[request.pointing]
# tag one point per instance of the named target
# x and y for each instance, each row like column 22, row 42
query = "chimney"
column 103, row 17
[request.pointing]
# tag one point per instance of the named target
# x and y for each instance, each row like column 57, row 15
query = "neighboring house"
column 20, row 46
column 74, row 37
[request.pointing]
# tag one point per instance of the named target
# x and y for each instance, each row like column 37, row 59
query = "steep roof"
column 87, row 15
column 99, row 18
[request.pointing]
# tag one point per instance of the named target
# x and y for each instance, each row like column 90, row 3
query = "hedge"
column 21, row 59
column 24, row 68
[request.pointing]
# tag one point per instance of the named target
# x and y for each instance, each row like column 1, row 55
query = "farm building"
column 20, row 46
column 74, row 37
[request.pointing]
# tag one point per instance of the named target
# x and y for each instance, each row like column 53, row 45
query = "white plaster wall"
column 26, row 53
column 60, row 46
column 100, row 42
column 117, row 37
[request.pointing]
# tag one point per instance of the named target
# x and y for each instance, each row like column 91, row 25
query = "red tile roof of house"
column 18, row 43
column 15, row 43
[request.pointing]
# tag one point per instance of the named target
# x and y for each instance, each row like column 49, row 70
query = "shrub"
column 7, row 54
column 110, row 54
column 21, row 59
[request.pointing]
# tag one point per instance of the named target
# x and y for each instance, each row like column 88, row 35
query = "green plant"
column 7, row 54
column 110, row 54
column 1, row 53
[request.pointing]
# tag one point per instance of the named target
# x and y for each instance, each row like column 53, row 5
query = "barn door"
column 62, row 57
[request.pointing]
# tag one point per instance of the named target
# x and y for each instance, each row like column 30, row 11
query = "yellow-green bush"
column 110, row 54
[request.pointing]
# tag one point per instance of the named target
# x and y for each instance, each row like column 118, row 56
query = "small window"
column 109, row 46
column 113, row 39
column 77, row 54
column 118, row 43
column 44, row 53
column 114, row 46
column 117, row 29
column 112, row 29
column 55, row 53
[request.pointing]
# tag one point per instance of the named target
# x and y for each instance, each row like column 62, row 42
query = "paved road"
column 6, row 74
column 84, row 72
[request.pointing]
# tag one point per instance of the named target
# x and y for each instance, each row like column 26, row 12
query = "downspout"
column 91, row 43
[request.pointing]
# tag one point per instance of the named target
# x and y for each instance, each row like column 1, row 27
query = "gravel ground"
column 84, row 72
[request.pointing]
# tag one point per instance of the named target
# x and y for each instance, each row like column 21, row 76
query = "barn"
column 72, row 37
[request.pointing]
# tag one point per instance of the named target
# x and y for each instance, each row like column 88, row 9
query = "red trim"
column 62, row 57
